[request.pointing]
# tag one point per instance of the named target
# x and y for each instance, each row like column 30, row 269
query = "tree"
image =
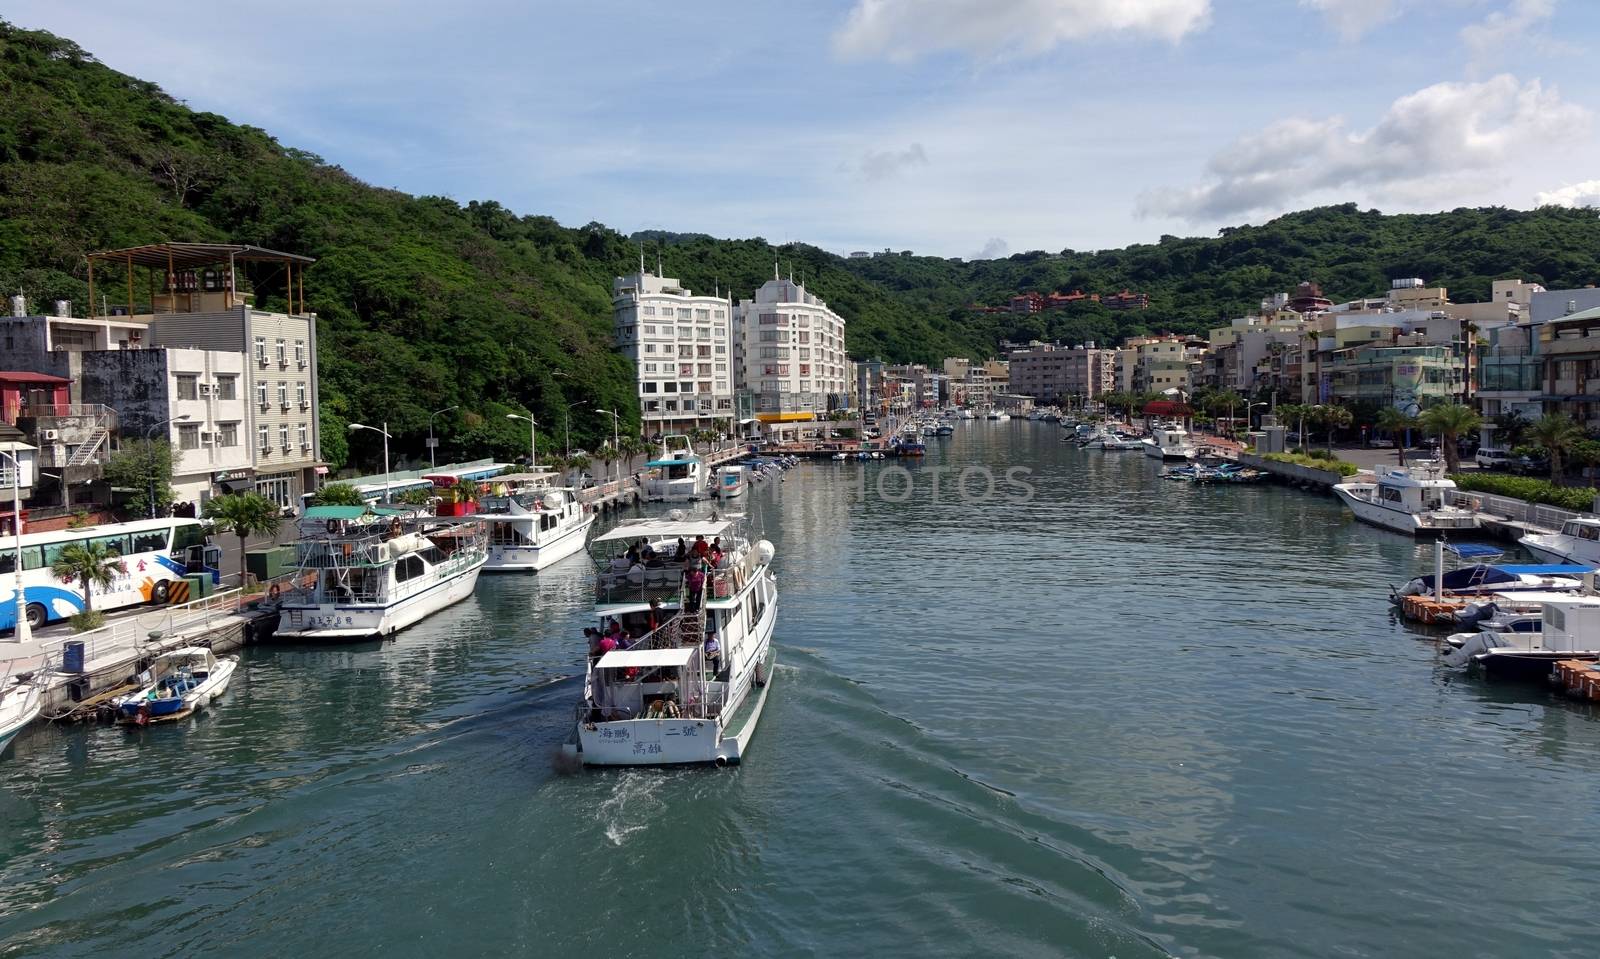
column 1396, row 423
column 1558, row 434
column 144, row 468
column 338, row 494
column 1334, row 418
column 1509, row 429
column 1296, row 413
column 244, row 515
column 1448, row 421
column 90, row 564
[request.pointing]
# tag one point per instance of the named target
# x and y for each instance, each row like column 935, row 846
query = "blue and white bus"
column 154, row 553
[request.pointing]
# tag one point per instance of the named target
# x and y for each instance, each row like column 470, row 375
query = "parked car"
column 1492, row 458
column 1531, row 465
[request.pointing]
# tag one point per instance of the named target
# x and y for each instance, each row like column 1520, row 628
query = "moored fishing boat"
column 1407, row 499
column 371, row 572
column 1577, row 542
column 680, row 474
column 730, row 481
column 181, row 682
column 20, row 701
column 689, row 677
column 1170, row 442
column 532, row 524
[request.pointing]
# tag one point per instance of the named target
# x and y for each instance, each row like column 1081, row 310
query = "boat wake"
column 631, row 806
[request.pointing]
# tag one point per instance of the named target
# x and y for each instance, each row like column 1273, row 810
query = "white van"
column 1492, row 458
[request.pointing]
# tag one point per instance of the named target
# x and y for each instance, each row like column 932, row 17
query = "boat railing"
column 334, row 552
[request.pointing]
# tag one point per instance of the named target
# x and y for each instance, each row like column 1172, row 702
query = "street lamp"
column 384, row 432
column 432, row 443
column 150, row 434
column 566, row 423
column 22, row 633
column 616, row 440
column 533, row 439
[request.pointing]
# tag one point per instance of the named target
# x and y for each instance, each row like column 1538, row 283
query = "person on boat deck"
column 621, row 564
column 695, row 582
column 653, row 617
column 701, row 547
column 592, row 637
column 646, row 550
column 713, row 649
column 683, row 551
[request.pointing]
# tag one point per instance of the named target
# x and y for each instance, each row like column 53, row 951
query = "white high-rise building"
column 789, row 350
column 681, row 347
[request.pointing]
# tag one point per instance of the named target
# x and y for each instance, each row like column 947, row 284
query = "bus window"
column 150, row 541
column 52, row 551
column 115, row 545
column 32, row 557
column 185, row 535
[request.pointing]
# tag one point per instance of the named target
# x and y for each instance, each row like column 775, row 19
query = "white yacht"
column 1407, row 499
column 731, row 481
column 1569, row 629
column 532, row 524
column 371, row 572
column 691, row 689
column 999, row 415
column 1169, row 442
column 680, row 475
column 1578, row 542
column 20, row 702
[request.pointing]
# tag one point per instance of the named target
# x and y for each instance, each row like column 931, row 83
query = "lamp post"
column 432, row 443
column 22, row 633
column 1248, row 411
column 566, row 424
column 616, row 439
column 533, row 439
column 384, row 432
column 150, row 434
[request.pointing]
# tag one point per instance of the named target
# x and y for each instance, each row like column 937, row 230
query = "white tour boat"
column 731, row 481
column 20, row 702
column 371, row 572
column 532, row 524
column 1578, row 542
column 691, row 689
column 1169, row 442
column 680, row 475
column 1407, row 499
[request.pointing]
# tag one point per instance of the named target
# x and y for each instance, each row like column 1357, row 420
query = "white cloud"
column 883, row 164
column 994, row 249
column 1586, row 193
column 1353, row 18
column 902, row 30
column 1448, row 139
column 1491, row 39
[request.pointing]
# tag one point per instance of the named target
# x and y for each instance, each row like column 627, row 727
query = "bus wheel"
column 37, row 616
column 158, row 595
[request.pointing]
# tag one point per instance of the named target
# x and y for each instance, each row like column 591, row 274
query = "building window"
column 283, row 393
column 648, row 388
column 650, row 311
column 227, row 434
column 261, row 392
column 300, row 395
column 702, row 314
column 302, row 436
column 649, row 347
column 261, row 350
column 262, row 442
column 300, row 353
column 283, row 354
column 684, row 314
column 227, row 387
column 188, row 436
column 283, row 436
column 188, row 386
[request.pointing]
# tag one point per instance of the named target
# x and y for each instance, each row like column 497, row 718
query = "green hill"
column 427, row 303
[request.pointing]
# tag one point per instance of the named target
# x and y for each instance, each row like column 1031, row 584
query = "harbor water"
column 1118, row 717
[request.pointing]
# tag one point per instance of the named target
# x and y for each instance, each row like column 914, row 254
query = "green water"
column 1126, row 718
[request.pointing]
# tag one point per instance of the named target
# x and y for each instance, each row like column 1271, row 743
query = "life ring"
column 273, row 592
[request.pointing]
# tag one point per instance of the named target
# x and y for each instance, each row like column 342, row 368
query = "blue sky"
column 950, row 127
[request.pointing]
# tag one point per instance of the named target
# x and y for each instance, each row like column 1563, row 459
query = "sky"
column 959, row 128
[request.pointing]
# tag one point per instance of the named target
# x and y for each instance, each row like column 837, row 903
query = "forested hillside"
column 427, row 303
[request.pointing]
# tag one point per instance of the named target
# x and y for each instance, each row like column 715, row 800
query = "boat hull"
column 1523, row 666
column 1399, row 521
column 531, row 559
column 344, row 623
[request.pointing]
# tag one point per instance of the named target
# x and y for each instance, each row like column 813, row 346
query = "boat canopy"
column 1473, row 550
column 646, row 658
column 666, row 529
column 335, row 512
column 540, row 478
column 674, row 462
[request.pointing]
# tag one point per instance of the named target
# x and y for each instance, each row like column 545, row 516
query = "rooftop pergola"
column 172, row 258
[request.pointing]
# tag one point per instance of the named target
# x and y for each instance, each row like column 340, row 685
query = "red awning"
column 23, row 376
column 1166, row 408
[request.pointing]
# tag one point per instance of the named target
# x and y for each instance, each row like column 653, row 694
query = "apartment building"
column 1051, row 373
column 682, row 349
column 789, row 353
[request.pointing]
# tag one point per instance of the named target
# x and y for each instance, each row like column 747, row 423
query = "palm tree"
column 1334, row 418
column 1295, row 413
column 338, row 494
column 1448, row 421
column 90, row 564
column 1557, row 433
column 244, row 515
column 1396, row 423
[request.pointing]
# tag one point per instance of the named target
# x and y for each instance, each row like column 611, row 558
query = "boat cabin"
column 1413, row 489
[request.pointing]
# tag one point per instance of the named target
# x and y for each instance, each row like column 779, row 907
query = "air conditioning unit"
column 302, row 364
column 206, row 389
column 284, row 407
column 305, row 405
column 261, row 360
column 305, row 446
column 287, row 447
column 206, row 438
column 49, row 436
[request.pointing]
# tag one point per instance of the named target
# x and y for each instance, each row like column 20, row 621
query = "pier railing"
column 1516, row 510
column 132, row 634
